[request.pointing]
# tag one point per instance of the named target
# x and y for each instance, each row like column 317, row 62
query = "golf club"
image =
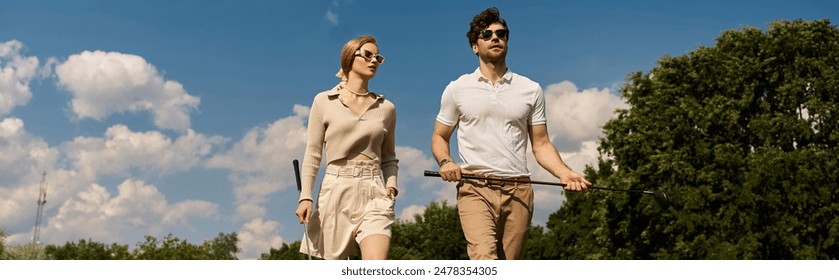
column 300, row 189
column 661, row 197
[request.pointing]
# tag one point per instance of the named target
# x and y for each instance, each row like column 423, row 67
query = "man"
column 495, row 111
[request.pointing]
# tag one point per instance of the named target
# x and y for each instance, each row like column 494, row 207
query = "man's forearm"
column 440, row 148
column 548, row 157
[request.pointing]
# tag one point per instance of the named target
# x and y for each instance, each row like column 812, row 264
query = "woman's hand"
column 304, row 211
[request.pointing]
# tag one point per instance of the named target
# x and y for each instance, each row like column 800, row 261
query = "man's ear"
column 475, row 48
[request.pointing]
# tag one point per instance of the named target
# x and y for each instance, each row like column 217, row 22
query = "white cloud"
column 123, row 149
column 413, row 163
column 47, row 69
column 267, row 150
column 180, row 212
column 23, row 159
column 331, row 16
column 578, row 116
column 16, row 71
column 78, row 207
column 261, row 162
column 587, row 155
column 412, row 166
column 252, row 195
column 103, row 83
column 257, row 237
column 407, row 214
column 138, row 209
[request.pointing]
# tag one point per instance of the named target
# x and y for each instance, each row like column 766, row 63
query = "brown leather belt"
column 490, row 180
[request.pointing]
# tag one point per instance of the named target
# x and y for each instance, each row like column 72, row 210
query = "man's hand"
column 450, row 172
column 574, row 181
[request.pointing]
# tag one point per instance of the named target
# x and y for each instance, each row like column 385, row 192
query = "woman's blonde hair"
column 348, row 53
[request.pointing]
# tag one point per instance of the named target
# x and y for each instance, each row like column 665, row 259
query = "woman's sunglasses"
column 487, row 34
column 368, row 55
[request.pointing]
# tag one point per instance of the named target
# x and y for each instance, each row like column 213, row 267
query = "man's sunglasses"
column 368, row 55
column 487, row 34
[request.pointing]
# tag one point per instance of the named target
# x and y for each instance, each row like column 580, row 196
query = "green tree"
column 286, row 252
column 87, row 250
column 223, row 247
column 2, row 244
column 27, row 251
column 434, row 235
column 743, row 135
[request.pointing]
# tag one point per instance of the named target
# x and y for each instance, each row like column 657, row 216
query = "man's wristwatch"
column 444, row 161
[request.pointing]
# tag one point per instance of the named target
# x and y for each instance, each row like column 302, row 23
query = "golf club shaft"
column 300, row 189
column 429, row 173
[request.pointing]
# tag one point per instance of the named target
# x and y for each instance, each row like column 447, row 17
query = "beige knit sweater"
column 333, row 126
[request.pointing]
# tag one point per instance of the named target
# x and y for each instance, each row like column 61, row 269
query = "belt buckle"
column 356, row 171
column 489, row 181
column 494, row 182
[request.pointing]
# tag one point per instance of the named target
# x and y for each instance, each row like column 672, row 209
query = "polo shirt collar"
column 506, row 78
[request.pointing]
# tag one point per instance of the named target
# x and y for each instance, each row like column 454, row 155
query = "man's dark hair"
column 482, row 21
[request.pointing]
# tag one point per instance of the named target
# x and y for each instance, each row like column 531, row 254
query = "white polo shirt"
column 492, row 121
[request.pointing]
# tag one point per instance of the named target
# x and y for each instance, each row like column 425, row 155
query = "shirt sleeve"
column 449, row 113
column 390, row 164
column 537, row 115
column 315, row 133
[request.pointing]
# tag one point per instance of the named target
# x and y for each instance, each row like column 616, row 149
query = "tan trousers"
column 495, row 217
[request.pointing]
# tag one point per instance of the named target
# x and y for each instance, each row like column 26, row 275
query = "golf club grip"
column 297, row 174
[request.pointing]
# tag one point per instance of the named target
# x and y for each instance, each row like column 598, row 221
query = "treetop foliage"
column 742, row 135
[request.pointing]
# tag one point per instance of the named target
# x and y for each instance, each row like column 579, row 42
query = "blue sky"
column 183, row 117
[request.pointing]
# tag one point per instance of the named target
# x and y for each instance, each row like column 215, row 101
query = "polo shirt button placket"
column 494, row 94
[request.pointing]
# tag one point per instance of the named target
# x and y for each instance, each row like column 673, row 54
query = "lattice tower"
column 42, row 199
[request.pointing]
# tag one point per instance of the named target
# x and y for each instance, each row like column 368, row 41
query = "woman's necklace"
column 357, row 93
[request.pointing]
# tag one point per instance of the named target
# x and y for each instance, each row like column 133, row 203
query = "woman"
column 356, row 197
